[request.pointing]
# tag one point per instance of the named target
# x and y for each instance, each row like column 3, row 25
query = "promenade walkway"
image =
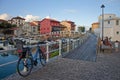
column 76, row 66
column 85, row 52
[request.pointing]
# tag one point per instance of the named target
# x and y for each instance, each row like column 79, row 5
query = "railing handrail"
column 47, row 48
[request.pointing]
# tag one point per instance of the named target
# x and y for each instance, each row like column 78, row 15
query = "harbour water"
column 7, row 69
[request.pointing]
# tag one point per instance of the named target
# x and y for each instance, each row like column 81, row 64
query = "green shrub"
column 53, row 54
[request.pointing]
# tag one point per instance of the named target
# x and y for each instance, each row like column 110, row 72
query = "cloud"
column 5, row 16
column 30, row 18
column 48, row 17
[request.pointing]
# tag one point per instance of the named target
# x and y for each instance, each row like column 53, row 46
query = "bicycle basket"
column 23, row 53
column 19, row 46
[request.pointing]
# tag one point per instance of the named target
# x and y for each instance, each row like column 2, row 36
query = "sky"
column 82, row 12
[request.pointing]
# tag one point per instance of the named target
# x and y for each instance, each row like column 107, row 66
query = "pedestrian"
column 107, row 42
column 116, row 45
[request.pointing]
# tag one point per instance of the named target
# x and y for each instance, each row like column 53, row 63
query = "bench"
column 105, row 47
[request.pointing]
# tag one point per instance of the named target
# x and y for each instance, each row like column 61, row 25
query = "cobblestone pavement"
column 86, row 52
column 107, row 67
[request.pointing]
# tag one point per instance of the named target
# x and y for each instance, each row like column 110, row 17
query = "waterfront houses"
column 68, row 27
column 48, row 25
column 47, row 28
column 19, row 22
column 31, row 28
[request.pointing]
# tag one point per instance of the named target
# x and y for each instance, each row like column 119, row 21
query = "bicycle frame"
column 28, row 60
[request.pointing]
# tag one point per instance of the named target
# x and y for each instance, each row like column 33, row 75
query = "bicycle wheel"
column 42, row 58
column 24, row 66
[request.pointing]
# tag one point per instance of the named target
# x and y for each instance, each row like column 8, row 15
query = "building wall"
column 67, row 25
column 110, row 28
column 95, row 26
column 116, row 31
column 45, row 26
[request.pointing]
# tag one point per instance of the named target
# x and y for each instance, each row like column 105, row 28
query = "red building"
column 48, row 25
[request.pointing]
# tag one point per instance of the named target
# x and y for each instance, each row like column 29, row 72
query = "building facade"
column 48, row 25
column 67, row 27
column 111, row 26
column 19, row 22
column 31, row 28
column 95, row 26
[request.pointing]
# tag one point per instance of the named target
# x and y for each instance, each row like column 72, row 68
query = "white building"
column 111, row 27
column 19, row 22
column 30, row 28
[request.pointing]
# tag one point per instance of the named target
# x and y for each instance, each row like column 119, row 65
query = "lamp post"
column 102, row 6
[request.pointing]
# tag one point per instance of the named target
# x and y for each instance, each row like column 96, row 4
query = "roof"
column 68, row 21
column 1, row 20
column 95, row 23
column 52, row 20
column 18, row 18
column 34, row 23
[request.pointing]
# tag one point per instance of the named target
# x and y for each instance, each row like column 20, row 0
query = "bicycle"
column 27, row 60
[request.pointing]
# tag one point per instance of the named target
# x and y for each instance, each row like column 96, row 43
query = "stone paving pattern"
column 86, row 52
column 105, row 67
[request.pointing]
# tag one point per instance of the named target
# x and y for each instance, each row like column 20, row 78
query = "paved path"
column 106, row 67
column 85, row 52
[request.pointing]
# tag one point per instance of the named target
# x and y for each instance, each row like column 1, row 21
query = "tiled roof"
column 18, row 18
column 34, row 23
column 1, row 20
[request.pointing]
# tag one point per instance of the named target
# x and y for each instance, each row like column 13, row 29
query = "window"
column 110, row 17
column 117, row 22
column 108, row 22
column 34, row 29
column 117, row 32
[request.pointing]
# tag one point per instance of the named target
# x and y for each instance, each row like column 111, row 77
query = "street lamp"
column 102, row 6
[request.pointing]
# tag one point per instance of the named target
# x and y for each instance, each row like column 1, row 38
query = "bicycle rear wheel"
column 24, row 66
column 42, row 59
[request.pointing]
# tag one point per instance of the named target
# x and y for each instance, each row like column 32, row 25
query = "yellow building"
column 67, row 27
column 95, row 26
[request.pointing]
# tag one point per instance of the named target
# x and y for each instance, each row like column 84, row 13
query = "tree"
column 6, row 28
column 81, row 28
column 90, row 29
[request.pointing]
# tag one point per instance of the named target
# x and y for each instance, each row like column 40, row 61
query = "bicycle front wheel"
column 24, row 66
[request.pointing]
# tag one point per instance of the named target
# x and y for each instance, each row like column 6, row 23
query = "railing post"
column 67, row 45
column 73, row 44
column 60, row 47
column 47, row 51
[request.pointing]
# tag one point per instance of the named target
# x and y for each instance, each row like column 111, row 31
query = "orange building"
column 95, row 26
column 68, row 26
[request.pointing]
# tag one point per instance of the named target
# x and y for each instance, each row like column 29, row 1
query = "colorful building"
column 95, row 26
column 67, row 27
column 49, row 26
